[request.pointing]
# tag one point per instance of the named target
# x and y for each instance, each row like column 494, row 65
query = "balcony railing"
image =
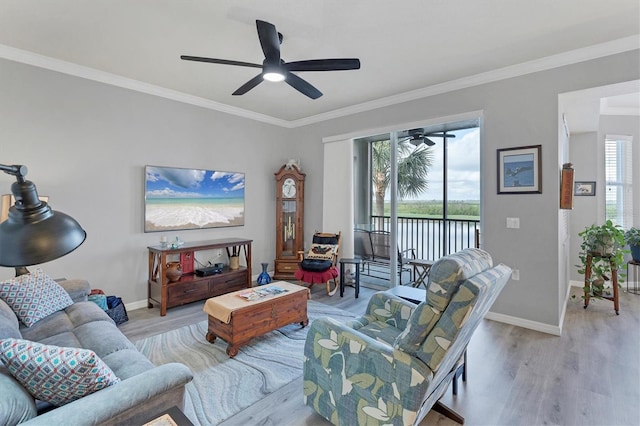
column 430, row 238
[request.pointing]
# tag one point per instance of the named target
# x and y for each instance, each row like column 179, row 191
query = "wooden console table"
column 190, row 287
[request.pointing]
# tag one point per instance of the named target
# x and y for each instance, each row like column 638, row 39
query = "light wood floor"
column 588, row 376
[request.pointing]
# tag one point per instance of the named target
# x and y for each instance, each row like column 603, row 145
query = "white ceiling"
column 403, row 46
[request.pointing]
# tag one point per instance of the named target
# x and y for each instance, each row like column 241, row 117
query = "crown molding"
column 543, row 64
column 47, row 62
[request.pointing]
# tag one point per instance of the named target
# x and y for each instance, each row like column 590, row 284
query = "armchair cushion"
column 448, row 272
column 315, row 265
column 422, row 321
column 453, row 319
column 381, row 331
column 321, row 251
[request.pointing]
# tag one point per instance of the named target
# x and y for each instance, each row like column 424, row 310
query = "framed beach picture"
column 584, row 189
column 177, row 199
column 519, row 170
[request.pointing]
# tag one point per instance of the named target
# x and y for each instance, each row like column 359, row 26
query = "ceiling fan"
column 276, row 69
column 418, row 136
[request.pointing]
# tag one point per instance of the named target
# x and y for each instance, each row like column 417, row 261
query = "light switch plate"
column 513, row 222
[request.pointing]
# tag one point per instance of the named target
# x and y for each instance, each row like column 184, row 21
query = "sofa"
column 392, row 365
column 140, row 392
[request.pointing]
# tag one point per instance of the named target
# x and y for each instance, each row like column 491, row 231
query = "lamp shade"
column 33, row 233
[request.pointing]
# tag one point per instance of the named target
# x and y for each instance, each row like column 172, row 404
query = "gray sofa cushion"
column 85, row 325
column 65, row 321
column 9, row 324
column 16, row 404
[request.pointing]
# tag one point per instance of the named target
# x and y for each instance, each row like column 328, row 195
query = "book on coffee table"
column 261, row 293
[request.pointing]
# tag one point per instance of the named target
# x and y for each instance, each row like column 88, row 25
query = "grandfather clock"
column 289, row 221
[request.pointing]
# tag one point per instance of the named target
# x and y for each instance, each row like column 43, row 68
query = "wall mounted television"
column 179, row 199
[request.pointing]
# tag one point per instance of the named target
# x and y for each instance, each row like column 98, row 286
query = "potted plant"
column 605, row 245
column 632, row 237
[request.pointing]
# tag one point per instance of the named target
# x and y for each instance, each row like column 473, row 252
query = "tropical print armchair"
column 391, row 365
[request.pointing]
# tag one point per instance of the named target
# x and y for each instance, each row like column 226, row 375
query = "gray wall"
column 517, row 112
column 586, row 163
column 86, row 144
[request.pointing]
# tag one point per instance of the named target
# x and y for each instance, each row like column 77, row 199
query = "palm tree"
column 413, row 170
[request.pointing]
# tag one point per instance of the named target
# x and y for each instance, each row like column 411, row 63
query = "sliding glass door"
column 424, row 194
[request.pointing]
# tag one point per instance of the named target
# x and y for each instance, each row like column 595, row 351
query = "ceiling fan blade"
column 219, row 61
column 269, row 41
column 302, row 86
column 249, row 85
column 324, row 65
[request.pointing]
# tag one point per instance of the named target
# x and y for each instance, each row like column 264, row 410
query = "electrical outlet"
column 515, row 274
column 219, row 253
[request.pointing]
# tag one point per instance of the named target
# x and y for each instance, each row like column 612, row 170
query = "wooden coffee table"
column 237, row 320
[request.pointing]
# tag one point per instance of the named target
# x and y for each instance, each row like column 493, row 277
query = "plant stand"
column 614, row 284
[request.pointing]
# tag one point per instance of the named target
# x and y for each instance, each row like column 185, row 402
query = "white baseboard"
column 136, row 305
column 531, row 325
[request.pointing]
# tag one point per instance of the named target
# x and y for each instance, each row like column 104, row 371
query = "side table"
column 411, row 294
column 633, row 270
column 356, row 263
column 172, row 416
column 421, row 268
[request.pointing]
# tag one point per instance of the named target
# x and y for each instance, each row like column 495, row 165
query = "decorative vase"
column 174, row 271
column 234, row 262
column 635, row 252
column 264, row 277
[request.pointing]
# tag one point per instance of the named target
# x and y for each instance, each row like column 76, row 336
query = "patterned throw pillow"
column 321, row 251
column 34, row 296
column 55, row 374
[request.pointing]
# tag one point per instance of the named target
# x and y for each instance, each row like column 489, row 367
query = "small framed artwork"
column 519, row 170
column 584, row 189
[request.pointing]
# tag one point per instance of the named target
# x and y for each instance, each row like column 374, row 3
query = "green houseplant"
column 605, row 244
column 632, row 237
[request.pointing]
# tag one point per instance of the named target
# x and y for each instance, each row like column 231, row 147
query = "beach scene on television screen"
column 177, row 198
column 518, row 170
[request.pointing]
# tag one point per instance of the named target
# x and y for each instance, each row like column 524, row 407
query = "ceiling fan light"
column 272, row 72
column 273, row 76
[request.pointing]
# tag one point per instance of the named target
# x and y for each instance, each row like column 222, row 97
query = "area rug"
column 223, row 386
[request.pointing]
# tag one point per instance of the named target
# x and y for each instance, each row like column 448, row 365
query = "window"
column 618, row 176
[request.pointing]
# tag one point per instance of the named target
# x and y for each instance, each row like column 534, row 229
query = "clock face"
column 289, row 188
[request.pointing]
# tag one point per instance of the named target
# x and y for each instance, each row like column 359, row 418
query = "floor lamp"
column 33, row 233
